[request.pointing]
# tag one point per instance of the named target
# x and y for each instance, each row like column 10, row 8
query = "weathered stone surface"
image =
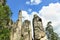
column 23, row 31
column 38, row 29
column 16, row 28
column 26, row 30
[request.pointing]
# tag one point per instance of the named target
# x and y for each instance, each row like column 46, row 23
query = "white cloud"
column 25, row 15
column 34, row 2
column 27, row 2
column 47, row 13
column 51, row 13
column 28, row 17
column 29, row 9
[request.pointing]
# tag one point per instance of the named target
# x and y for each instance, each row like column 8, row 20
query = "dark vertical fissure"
column 33, row 30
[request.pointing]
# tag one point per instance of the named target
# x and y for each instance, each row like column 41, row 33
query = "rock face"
column 16, row 28
column 22, row 31
column 19, row 25
column 38, row 29
column 26, row 30
column 2, row 1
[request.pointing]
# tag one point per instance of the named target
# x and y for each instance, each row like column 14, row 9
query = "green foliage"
column 50, row 32
column 5, row 14
column 21, row 38
column 4, row 34
column 54, row 36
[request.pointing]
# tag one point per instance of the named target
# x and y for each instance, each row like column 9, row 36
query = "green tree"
column 5, row 14
column 50, row 32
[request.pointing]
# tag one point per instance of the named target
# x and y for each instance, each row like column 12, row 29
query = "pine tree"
column 50, row 32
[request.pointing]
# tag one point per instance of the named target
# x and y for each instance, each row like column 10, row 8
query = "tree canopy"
column 50, row 32
column 5, row 14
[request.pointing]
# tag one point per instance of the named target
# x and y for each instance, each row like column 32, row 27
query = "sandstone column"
column 26, row 33
column 19, row 25
column 38, row 29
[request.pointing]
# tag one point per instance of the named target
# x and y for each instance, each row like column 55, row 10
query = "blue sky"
column 48, row 10
column 16, row 5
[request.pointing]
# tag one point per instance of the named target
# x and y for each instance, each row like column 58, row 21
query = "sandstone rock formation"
column 38, row 29
column 22, row 30
column 26, row 30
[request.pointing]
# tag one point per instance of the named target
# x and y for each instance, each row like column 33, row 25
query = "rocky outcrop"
column 22, row 30
column 38, row 29
column 26, row 30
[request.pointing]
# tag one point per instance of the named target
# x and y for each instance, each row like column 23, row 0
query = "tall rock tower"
column 38, row 30
column 19, row 25
column 26, row 30
column 16, row 28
